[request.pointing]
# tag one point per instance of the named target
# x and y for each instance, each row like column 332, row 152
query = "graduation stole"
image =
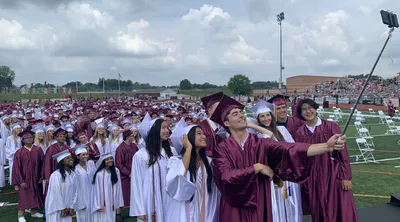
column 103, row 206
column 154, row 218
column 201, row 213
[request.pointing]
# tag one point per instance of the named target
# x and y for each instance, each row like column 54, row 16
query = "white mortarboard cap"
column 70, row 129
column 102, row 158
column 176, row 137
column 50, row 127
column 263, row 107
column 38, row 129
column 79, row 149
column 146, row 125
column 100, row 125
column 126, row 121
column 98, row 121
column 15, row 126
column 60, row 156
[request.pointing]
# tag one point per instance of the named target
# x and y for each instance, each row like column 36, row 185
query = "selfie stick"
column 335, row 152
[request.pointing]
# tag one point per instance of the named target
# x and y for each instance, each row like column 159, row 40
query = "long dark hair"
column 153, row 143
column 272, row 127
column 193, row 160
column 114, row 177
column 60, row 167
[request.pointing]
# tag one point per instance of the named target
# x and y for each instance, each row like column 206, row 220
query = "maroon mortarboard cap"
column 26, row 132
column 225, row 105
column 80, row 133
column 129, row 115
column 211, row 99
column 59, row 131
column 31, row 120
column 277, row 100
column 126, row 133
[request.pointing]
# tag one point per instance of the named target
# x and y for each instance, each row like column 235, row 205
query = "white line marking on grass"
column 377, row 161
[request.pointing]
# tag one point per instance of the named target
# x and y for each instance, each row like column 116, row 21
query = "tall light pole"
column 280, row 17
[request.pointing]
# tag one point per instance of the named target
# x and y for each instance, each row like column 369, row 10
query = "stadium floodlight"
column 280, row 17
column 389, row 19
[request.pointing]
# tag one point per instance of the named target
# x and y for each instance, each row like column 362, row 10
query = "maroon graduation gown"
column 212, row 138
column 123, row 161
column 245, row 197
column 391, row 110
column 27, row 169
column 292, row 124
column 322, row 194
column 94, row 153
column 50, row 165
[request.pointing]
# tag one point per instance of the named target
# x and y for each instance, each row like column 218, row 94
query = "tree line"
column 239, row 84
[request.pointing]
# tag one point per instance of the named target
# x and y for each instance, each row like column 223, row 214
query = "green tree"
column 7, row 76
column 240, row 85
column 185, row 84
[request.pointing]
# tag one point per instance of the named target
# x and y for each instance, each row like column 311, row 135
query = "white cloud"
column 137, row 27
column 207, row 14
column 135, row 45
column 241, row 52
column 84, row 16
column 330, row 62
column 14, row 37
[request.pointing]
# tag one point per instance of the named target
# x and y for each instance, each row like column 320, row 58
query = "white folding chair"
column 366, row 152
column 364, row 133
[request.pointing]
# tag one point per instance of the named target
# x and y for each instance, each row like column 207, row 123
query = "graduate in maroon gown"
column 290, row 122
column 241, row 165
column 326, row 194
column 50, row 165
column 123, row 161
column 27, row 176
column 390, row 109
column 209, row 127
column 92, row 148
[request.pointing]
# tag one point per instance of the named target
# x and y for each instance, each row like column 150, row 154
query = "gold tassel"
column 284, row 191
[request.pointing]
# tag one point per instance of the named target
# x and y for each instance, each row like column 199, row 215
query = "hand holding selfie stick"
column 389, row 19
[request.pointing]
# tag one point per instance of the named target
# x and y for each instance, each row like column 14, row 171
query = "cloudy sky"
column 161, row 42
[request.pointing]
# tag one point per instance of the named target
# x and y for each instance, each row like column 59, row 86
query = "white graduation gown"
column 141, row 202
column 291, row 208
column 141, row 144
column 2, row 162
column 102, row 149
column 5, row 132
column 84, row 180
column 181, row 189
column 10, row 149
column 112, row 147
column 60, row 195
column 112, row 196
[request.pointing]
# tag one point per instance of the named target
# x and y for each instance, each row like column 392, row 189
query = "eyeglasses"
column 303, row 110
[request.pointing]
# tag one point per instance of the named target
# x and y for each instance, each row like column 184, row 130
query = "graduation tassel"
column 284, row 191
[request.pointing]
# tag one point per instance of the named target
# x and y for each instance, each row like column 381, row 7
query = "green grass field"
column 372, row 182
